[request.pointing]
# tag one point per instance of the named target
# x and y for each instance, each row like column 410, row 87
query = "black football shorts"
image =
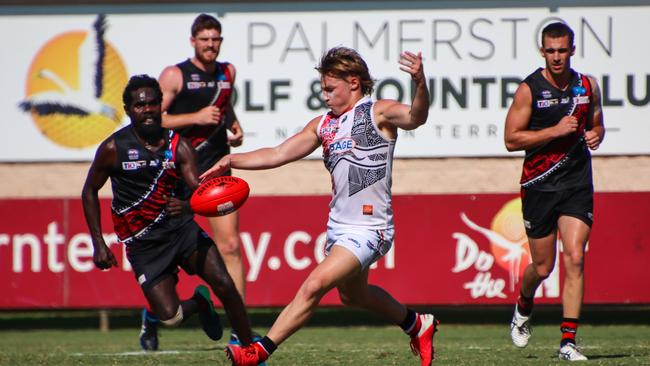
column 542, row 209
column 154, row 260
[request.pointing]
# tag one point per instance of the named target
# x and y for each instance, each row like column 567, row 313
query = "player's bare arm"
column 186, row 164
column 98, row 174
column 232, row 122
column 237, row 137
column 398, row 115
column 171, row 83
column 186, row 156
column 596, row 131
column 294, row 148
column 517, row 135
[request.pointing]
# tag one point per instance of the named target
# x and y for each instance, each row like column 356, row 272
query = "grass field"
column 457, row 344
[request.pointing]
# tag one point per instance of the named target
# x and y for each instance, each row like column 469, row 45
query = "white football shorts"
column 368, row 245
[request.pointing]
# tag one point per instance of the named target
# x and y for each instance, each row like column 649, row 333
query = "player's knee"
column 575, row 260
column 543, row 271
column 229, row 247
column 313, row 288
column 172, row 320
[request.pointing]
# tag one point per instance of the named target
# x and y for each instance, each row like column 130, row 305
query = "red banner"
column 449, row 249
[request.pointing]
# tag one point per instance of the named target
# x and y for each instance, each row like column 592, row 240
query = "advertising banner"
column 448, row 250
column 64, row 74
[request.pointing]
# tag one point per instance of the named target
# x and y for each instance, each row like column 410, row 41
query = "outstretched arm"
column 400, row 115
column 100, row 169
column 294, row 148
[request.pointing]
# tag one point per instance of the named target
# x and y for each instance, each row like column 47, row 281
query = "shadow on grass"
column 330, row 316
column 596, row 357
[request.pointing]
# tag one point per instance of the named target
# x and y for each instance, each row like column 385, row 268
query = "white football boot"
column 571, row 352
column 520, row 330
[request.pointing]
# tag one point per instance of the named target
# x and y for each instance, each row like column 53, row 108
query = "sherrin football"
column 219, row 196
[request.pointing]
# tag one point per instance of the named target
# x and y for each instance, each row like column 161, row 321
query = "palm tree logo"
column 74, row 87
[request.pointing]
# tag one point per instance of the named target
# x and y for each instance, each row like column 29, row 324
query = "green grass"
column 457, row 344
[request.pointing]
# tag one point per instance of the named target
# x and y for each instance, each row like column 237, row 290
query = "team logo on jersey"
column 367, row 209
column 578, row 90
column 74, row 87
column 546, row 94
column 195, row 77
column 134, row 154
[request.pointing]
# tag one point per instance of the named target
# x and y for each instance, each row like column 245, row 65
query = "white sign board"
column 474, row 60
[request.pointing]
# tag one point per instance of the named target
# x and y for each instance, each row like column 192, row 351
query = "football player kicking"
column 144, row 162
column 358, row 139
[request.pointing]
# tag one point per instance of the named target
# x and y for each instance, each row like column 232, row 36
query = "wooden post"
column 104, row 323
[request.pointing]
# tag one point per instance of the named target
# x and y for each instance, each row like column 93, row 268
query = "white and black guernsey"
column 360, row 162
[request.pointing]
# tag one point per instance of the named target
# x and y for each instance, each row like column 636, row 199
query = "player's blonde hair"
column 341, row 62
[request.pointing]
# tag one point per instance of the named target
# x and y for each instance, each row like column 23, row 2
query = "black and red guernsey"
column 140, row 180
column 564, row 162
column 201, row 89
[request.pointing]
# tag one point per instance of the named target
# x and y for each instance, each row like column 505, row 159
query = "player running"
column 144, row 162
column 556, row 117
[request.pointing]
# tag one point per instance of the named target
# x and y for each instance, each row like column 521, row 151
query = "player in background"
column 358, row 138
column 144, row 162
column 556, row 117
column 197, row 101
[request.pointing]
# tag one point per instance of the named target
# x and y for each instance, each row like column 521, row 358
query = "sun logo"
column 74, row 87
column 508, row 240
column 511, row 247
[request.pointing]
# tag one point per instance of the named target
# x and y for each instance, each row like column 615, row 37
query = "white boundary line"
column 136, row 353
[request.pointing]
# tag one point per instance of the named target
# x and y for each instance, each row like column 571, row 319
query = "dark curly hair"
column 140, row 81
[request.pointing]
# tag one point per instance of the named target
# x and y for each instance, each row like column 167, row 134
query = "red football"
column 219, row 196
